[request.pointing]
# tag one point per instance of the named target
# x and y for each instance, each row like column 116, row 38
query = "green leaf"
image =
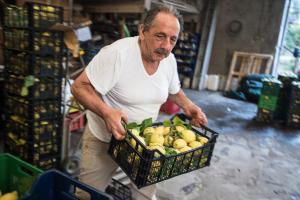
column 167, row 123
column 188, row 126
column 170, row 151
column 177, row 121
column 132, row 125
column 146, row 123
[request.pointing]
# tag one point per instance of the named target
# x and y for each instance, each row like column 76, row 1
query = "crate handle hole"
column 83, row 194
column 27, row 171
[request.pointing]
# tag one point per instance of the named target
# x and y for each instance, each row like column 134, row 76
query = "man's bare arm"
column 85, row 93
column 189, row 108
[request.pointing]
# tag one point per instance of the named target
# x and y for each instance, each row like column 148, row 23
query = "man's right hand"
column 113, row 120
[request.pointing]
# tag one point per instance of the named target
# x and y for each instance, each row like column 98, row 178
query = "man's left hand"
column 197, row 116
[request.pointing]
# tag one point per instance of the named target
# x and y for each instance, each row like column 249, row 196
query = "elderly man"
column 129, row 80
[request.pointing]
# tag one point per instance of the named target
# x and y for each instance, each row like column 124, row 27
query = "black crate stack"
column 33, row 83
column 285, row 94
column 293, row 115
column 268, row 101
column 186, row 51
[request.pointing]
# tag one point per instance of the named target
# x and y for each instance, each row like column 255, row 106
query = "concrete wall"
column 260, row 23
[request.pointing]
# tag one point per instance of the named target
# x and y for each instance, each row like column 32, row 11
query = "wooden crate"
column 244, row 63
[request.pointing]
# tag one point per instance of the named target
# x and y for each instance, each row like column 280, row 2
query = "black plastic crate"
column 265, row 115
column 44, row 43
column 293, row 120
column 32, row 15
column 34, row 140
column 22, row 63
column 44, row 154
column 295, row 96
column 287, row 79
column 33, row 88
column 41, row 147
column 294, row 104
column 48, row 43
column 15, row 16
column 118, row 190
column 35, row 130
column 146, row 167
column 33, row 109
column 16, row 39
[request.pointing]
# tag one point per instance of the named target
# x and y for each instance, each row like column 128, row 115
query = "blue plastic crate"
column 54, row 185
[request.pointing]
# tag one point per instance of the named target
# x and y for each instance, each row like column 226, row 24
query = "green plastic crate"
column 271, row 87
column 15, row 174
column 268, row 102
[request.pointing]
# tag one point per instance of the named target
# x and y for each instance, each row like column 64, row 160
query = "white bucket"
column 213, row 82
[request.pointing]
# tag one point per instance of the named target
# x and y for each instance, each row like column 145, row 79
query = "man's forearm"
column 87, row 96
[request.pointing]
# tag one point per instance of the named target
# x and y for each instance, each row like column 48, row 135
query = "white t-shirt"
column 118, row 74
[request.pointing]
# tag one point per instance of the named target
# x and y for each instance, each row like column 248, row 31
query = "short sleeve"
column 174, row 86
column 104, row 70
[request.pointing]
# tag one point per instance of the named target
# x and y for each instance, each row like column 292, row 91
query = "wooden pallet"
column 244, row 63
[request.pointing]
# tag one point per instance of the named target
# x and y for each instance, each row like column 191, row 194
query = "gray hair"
column 151, row 14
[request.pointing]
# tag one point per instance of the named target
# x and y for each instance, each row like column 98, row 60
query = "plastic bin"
column 75, row 121
column 32, row 15
column 22, row 63
column 118, row 190
column 41, row 88
column 33, row 109
column 169, row 107
column 268, row 102
column 54, row 185
column 271, row 87
column 44, row 154
column 16, row 174
column 295, row 98
column 144, row 168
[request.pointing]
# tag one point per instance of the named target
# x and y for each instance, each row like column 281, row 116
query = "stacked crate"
column 285, row 94
column 33, row 83
column 268, row 100
column 186, row 51
column 293, row 115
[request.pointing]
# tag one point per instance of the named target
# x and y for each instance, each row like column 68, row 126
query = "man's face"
column 159, row 40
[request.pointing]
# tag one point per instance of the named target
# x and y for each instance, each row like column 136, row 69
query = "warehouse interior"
column 238, row 60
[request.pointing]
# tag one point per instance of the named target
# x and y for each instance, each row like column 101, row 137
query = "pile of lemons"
column 168, row 139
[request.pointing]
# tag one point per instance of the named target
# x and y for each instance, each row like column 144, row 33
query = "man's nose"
column 167, row 45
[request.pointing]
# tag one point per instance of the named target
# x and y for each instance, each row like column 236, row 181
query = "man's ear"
column 141, row 31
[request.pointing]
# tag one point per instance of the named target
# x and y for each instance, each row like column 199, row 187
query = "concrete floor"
column 251, row 161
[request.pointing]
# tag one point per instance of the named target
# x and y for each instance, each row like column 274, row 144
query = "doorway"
column 289, row 56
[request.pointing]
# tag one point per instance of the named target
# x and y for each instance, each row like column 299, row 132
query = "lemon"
column 154, row 144
column 168, row 141
column 179, row 143
column 188, row 135
column 179, row 128
column 202, row 139
column 160, row 130
column 195, row 144
column 10, row 196
column 133, row 142
column 184, row 149
column 149, row 130
column 157, row 147
column 134, row 132
column 157, row 138
column 166, row 130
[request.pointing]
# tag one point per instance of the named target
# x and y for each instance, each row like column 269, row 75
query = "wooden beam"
column 122, row 7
